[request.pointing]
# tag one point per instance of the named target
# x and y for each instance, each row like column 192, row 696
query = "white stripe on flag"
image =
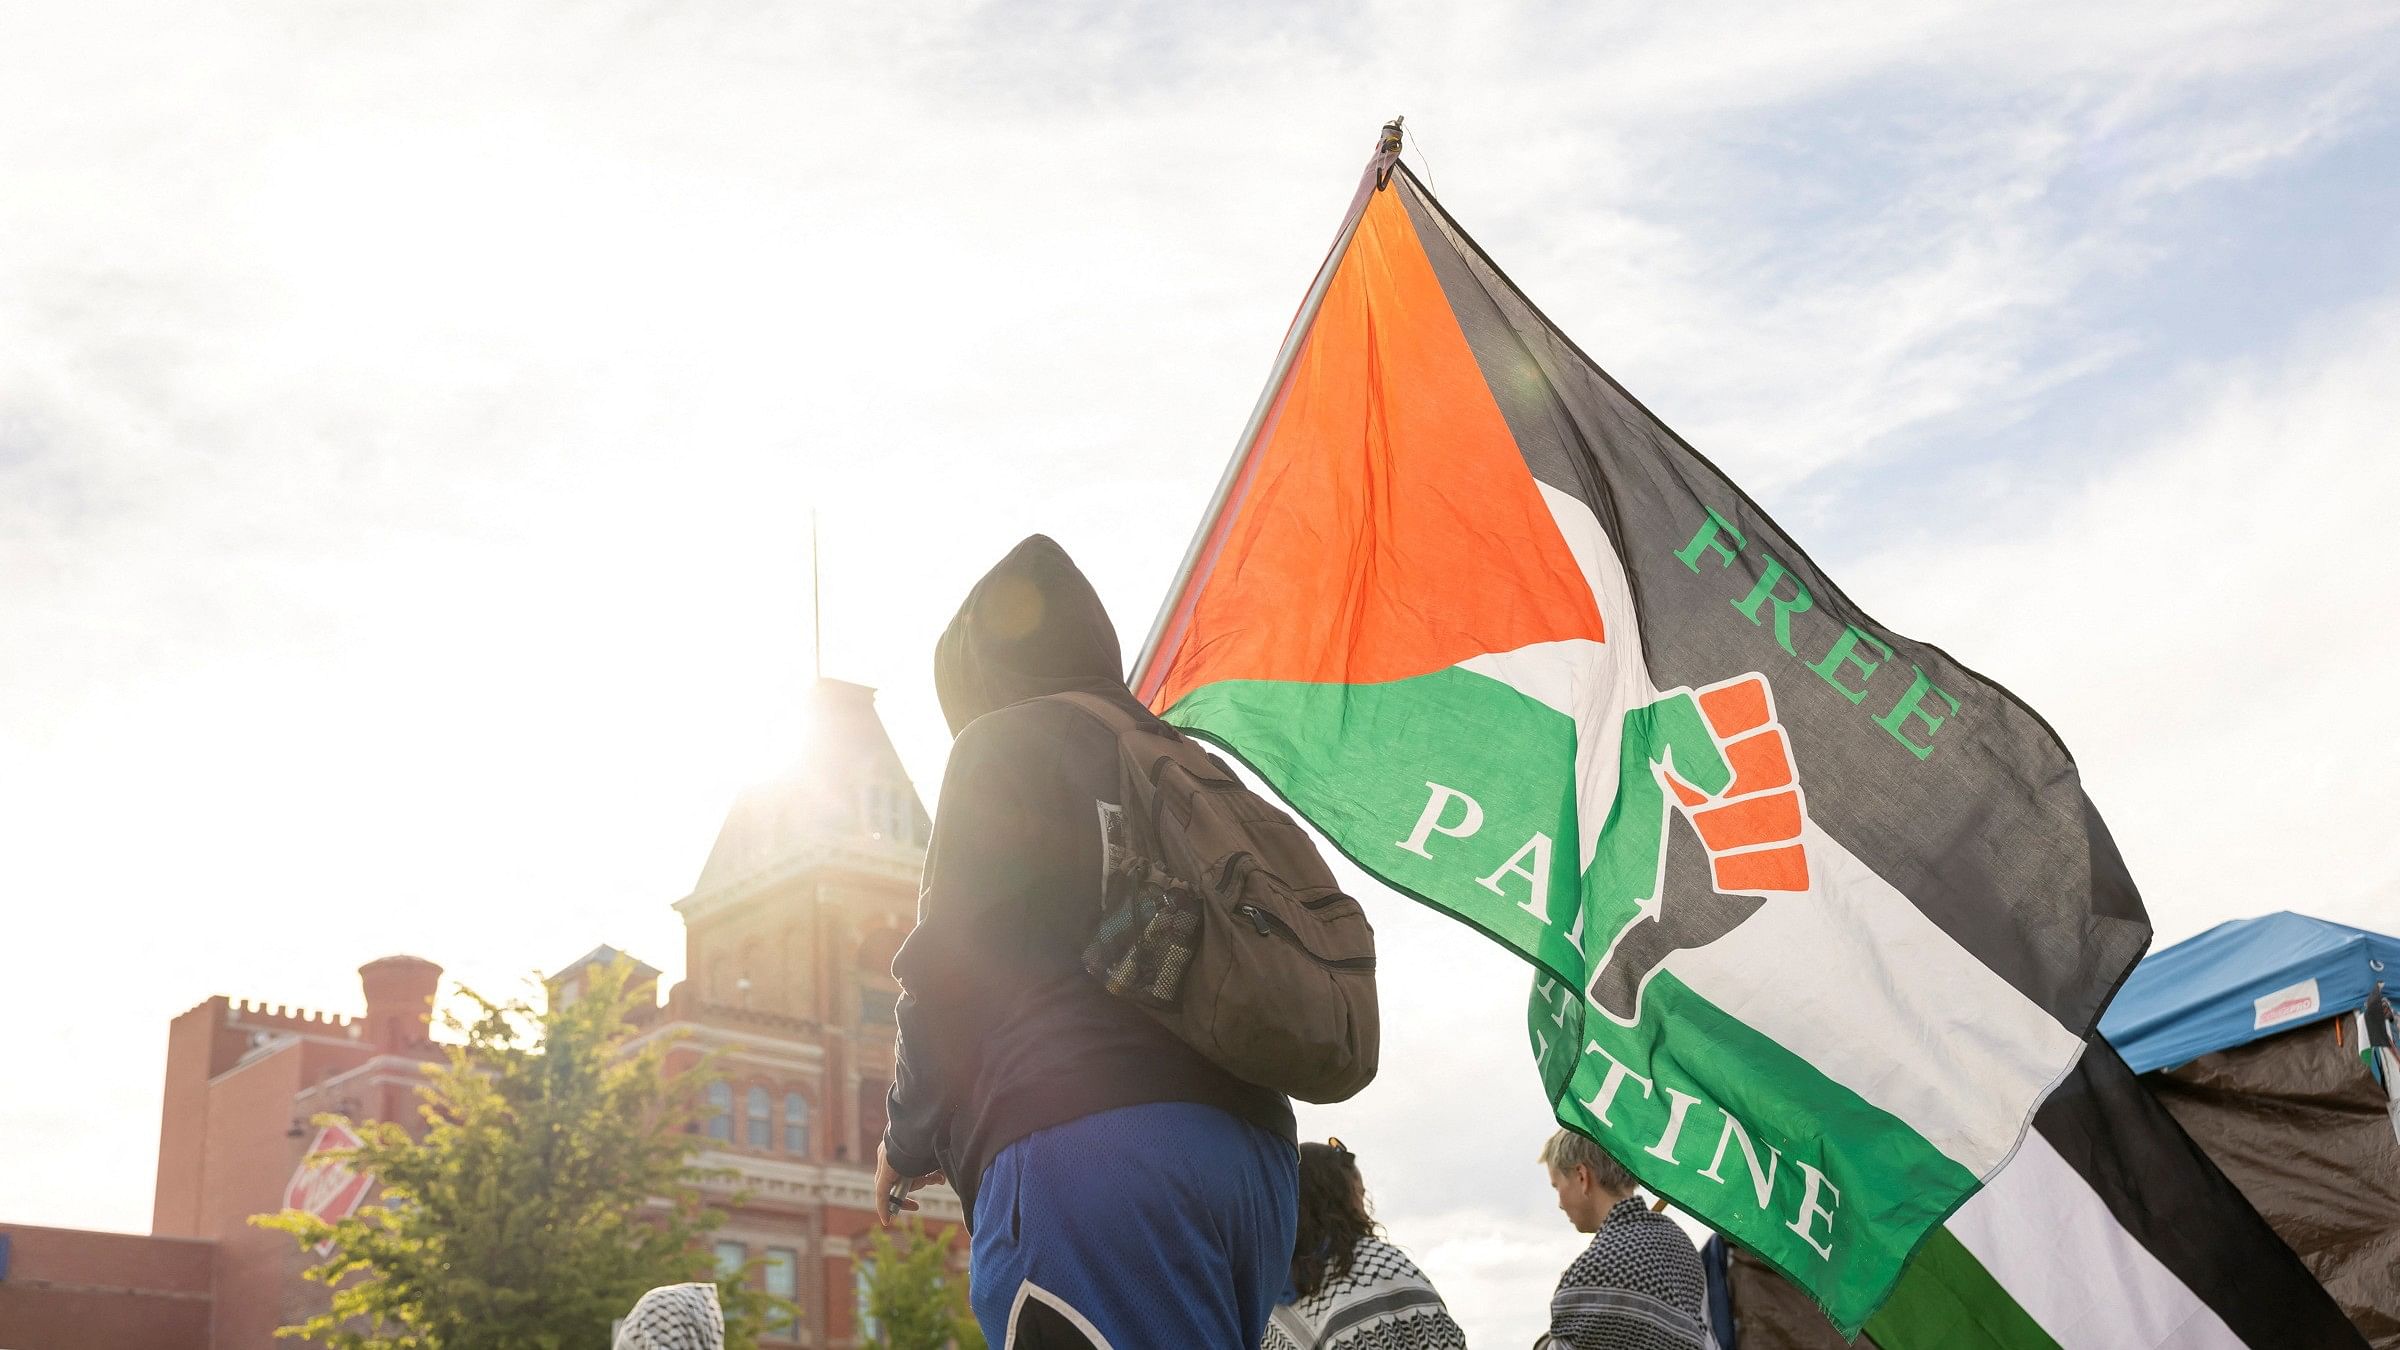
column 1593, row 683
column 1854, row 979
column 2049, row 1240
column 1850, row 976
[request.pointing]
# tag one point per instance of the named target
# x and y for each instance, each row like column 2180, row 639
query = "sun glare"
column 383, row 228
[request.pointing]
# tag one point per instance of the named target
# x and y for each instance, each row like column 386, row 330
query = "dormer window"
column 888, row 817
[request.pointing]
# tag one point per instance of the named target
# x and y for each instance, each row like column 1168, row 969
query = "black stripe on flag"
column 1990, row 835
column 2165, row 1193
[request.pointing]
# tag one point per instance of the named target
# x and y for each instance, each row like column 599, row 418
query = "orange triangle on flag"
column 1385, row 525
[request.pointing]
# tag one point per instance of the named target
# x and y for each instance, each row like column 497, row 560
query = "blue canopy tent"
column 2250, row 1035
column 2241, row 981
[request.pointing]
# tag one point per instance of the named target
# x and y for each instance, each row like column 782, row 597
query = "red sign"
column 327, row 1187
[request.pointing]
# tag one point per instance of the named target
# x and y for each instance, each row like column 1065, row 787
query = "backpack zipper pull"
column 1257, row 920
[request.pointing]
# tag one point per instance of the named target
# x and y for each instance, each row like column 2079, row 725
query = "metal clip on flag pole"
column 1387, row 150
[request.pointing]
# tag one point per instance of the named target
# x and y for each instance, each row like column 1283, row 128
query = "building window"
column 720, row 1112
column 731, row 1257
column 869, row 1330
column 795, row 1124
column 888, row 814
column 761, row 1133
column 783, row 1281
column 569, row 990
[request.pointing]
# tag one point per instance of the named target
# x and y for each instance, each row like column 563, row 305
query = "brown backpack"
column 1220, row 919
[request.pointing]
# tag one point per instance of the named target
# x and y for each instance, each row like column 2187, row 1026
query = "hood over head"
column 1033, row 626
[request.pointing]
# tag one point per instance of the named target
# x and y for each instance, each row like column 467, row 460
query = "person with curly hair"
column 1351, row 1290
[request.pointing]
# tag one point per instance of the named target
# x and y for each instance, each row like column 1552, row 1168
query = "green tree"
column 914, row 1301
column 553, row 1186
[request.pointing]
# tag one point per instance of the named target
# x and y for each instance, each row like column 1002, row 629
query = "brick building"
column 243, row 1081
column 66, row 1287
column 789, row 935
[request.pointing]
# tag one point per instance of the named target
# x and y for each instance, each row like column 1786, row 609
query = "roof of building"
column 845, row 785
column 399, row 959
column 605, row 955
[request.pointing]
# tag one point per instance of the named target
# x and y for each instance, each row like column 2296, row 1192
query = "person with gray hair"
column 1639, row 1285
column 674, row 1317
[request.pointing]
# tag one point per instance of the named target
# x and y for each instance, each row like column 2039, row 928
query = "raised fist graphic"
column 1735, row 794
column 1751, row 829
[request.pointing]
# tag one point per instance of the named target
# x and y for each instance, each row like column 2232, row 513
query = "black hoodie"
column 1002, row 1033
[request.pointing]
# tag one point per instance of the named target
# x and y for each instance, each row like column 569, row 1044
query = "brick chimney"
column 400, row 992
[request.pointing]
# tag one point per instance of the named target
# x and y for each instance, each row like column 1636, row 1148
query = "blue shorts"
column 1168, row 1224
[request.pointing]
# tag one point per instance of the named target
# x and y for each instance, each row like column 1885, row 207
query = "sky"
column 411, row 418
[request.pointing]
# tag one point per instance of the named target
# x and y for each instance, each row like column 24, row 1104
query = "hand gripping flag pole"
column 1200, row 558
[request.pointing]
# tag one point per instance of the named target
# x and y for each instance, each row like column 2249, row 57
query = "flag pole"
column 1200, row 557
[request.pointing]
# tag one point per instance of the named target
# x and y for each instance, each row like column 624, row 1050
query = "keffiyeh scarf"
column 1384, row 1303
column 674, row 1317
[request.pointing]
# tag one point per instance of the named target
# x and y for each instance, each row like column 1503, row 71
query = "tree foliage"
column 913, row 1298
column 553, row 1185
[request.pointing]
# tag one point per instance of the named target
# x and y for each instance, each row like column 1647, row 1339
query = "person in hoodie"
column 1121, row 1190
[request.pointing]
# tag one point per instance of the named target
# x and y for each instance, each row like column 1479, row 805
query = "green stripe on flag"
column 1948, row 1301
column 1367, row 762
column 1716, row 1083
column 1387, row 771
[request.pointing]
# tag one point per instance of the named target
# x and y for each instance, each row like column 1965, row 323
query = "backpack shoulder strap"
column 1108, row 712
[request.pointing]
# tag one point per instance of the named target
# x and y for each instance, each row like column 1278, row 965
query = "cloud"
column 2202, row 620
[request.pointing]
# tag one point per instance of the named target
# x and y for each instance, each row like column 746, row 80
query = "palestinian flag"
column 2110, row 1228
column 1819, row 915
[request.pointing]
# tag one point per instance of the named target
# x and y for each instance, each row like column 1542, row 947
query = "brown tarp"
column 1770, row 1312
column 2298, row 1123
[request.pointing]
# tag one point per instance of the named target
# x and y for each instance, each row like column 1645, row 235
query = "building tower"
column 788, row 942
